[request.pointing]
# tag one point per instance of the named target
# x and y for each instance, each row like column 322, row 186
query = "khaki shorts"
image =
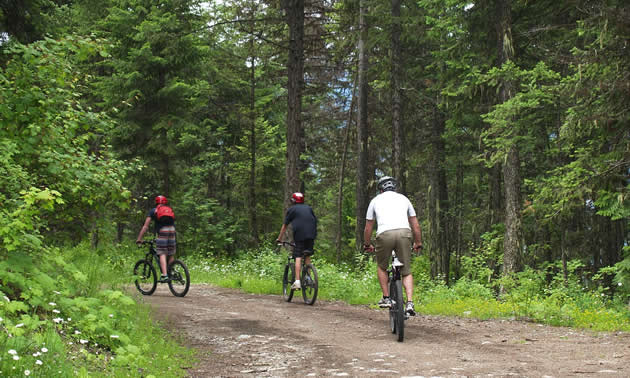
column 398, row 240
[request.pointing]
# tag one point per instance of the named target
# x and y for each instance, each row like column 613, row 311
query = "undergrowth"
column 529, row 295
column 69, row 313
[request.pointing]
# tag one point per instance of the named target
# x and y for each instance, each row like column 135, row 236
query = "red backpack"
column 164, row 211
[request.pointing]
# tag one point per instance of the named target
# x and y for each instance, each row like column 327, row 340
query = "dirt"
column 246, row 335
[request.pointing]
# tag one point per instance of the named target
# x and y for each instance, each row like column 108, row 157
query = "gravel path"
column 247, row 335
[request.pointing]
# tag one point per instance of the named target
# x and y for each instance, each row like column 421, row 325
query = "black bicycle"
column 308, row 278
column 397, row 314
column 146, row 278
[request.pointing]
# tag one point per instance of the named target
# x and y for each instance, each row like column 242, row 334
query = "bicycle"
column 146, row 277
column 308, row 279
column 397, row 315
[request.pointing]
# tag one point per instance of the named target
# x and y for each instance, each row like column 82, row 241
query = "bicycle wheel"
column 399, row 311
column 392, row 309
column 179, row 278
column 146, row 278
column 309, row 284
column 287, row 281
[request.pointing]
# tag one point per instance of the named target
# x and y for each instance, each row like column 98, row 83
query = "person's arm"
column 367, row 235
column 417, row 233
column 143, row 230
column 284, row 227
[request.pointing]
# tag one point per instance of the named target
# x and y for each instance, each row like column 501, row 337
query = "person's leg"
column 163, row 264
column 382, row 279
column 407, row 282
column 298, row 268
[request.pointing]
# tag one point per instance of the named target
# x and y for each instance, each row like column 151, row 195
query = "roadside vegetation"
column 540, row 296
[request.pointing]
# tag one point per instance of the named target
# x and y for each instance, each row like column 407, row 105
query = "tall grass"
column 530, row 297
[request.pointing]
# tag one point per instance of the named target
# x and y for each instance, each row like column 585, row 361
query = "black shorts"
column 303, row 248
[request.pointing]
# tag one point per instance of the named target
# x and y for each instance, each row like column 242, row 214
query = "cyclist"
column 304, row 224
column 165, row 241
column 396, row 222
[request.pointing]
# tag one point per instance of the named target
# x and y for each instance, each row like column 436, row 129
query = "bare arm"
column 367, row 234
column 284, row 227
column 144, row 229
column 417, row 233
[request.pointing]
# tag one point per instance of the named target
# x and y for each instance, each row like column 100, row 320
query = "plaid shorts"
column 166, row 241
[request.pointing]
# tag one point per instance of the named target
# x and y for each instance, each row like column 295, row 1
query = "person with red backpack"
column 165, row 241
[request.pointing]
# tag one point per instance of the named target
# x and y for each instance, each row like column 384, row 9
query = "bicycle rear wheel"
column 178, row 278
column 399, row 310
column 392, row 309
column 309, row 284
column 287, row 281
column 145, row 277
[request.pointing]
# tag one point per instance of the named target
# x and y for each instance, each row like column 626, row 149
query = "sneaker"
column 163, row 279
column 296, row 285
column 410, row 310
column 385, row 303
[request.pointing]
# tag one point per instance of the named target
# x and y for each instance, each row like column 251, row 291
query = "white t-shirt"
column 391, row 211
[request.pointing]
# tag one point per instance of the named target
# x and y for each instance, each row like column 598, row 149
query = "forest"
column 505, row 122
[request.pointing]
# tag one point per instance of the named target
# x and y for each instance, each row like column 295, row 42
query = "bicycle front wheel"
column 399, row 309
column 178, row 278
column 145, row 277
column 309, row 284
column 287, row 281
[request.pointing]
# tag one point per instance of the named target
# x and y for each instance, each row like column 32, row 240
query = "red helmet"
column 297, row 197
column 161, row 200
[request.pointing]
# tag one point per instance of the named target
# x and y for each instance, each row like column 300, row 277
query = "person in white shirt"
column 396, row 222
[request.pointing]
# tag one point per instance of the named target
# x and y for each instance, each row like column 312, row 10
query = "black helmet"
column 386, row 183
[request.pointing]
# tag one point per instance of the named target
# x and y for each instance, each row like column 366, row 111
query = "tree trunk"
column 438, row 202
column 397, row 129
column 512, row 165
column 295, row 72
column 253, row 222
column 342, row 170
column 362, row 126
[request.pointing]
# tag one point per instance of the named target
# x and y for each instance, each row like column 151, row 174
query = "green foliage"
column 55, row 326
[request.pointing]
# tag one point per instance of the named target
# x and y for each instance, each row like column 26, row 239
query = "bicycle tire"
column 145, row 277
column 400, row 311
column 287, row 281
column 179, row 278
column 309, row 284
column 392, row 309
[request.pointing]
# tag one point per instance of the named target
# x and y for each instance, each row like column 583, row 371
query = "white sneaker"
column 296, row 285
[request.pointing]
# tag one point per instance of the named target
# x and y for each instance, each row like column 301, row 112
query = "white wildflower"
column 56, row 292
column 58, row 320
column 114, row 336
column 19, row 325
column 44, row 349
column 83, row 341
column 27, row 372
column 77, row 332
column 16, row 357
column 52, row 304
column 111, row 315
column 56, row 311
column 70, row 343
column 12, row 351
column 69, row 319
column 37, row 354
column 619, row 284
column 39, row 362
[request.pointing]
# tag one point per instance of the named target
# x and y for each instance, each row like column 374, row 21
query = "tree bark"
column 397, row 128
column 342, row 173
column 362, row 126
column 253, row 221
column 438, row 202
column 512, row 165
column 295, row 72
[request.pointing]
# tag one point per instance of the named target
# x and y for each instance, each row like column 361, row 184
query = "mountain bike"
column 397, row 314
column 308, row 279
column 146, row 278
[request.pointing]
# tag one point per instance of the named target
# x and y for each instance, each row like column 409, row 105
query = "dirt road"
column 249, row 335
